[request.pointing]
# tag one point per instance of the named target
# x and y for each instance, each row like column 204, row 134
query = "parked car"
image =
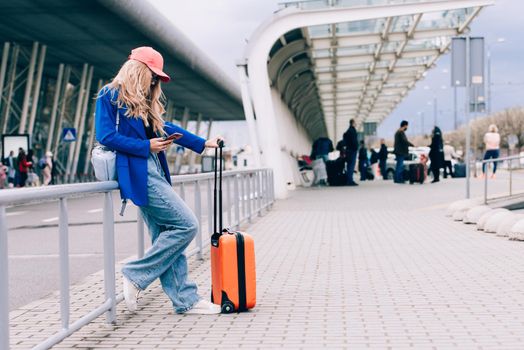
column 412, row 158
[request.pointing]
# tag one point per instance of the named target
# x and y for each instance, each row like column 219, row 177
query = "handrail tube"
column 20, row 195
column 501, row 159
column 496, row 160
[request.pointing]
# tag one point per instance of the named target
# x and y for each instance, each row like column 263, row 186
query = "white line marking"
column 15, row 213
column 51, row 219
column 97, row 210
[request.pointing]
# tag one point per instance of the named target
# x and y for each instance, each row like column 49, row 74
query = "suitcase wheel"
column 228, row 307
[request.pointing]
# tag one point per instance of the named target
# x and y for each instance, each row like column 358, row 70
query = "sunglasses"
column 154, row 79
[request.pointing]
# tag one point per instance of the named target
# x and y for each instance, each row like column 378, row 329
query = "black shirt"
column 150, row 133
column 351, row 139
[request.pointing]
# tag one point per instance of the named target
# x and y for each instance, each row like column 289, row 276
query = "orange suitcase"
column 233, row 275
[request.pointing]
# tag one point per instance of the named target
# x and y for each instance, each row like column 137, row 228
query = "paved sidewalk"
column 378, row 266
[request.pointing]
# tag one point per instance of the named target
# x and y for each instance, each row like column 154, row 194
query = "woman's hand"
column 213, row 143
column 157, row 145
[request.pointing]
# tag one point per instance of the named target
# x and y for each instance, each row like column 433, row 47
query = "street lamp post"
column 421, row 115
column 435, row 102
column 499, row 41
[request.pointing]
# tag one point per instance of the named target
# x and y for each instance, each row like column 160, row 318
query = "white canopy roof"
column 359, row 69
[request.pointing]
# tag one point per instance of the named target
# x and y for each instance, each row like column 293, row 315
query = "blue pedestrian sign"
column 69, row 134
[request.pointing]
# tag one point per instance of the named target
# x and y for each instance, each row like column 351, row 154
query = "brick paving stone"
column 373, row 267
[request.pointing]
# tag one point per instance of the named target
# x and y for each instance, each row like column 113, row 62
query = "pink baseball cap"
column 151, row 58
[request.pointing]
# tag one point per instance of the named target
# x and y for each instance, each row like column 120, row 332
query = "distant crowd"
column 24, row 169
column 406, row 166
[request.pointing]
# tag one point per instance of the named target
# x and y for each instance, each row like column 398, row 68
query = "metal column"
column 455, row 121
column 180, row 156
column 36, row 91
column 11, row 86
column 91, row 138
column 209, row 125
column 54, row 109
column 192, row 156
column 3, row 68
column 67, row 75
column 79, row 102
column 28, row 86
column 248, row 112
column 81, row 126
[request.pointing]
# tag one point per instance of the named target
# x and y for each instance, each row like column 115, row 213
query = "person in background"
column 23, row 167
column 382, row 158
column 373, row 162
column 436, row 154
column 449, row 155
column 11, row 169
column 3, row 175
column 401, row 150
column 363, row 161
column 351, row 142
column 492, row 142
column 47, row 168
column 321, row 148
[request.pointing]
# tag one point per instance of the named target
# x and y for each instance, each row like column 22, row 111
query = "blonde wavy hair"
column 493, row 128
column 140, row 97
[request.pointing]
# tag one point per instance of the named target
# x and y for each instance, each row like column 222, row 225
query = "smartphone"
column 174, row 136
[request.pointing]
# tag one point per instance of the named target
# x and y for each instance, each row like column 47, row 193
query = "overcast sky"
column 222, row 27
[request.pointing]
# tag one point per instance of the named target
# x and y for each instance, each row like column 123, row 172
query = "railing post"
column 64, row 262
column 228, row 198
column 210, row 209
column 109, row 256
column 198, row 213
column 182, row 191
column 511, row 177
column 249, row 179
column 140, row 233
column 259, row 192
column 237, row 202
column 243, row 196
column 4, row 282
column 272, row 188
column 266, row 189
column 486, row 182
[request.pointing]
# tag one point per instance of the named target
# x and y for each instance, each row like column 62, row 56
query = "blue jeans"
column 172, row 226
column 351, row 159
column 399, row 169
column 383, row 170
column 363, row 169
column 491, row 154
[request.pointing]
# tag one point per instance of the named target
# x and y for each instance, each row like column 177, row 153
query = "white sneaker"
column 131, row 294
column 204, row 307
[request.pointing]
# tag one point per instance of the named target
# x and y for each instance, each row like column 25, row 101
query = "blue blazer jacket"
column 132, row 145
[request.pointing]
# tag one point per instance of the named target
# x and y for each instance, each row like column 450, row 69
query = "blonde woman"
column 492, row 142
column 135, row 99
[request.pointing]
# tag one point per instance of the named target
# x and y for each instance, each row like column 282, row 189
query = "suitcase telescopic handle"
column 218, row 170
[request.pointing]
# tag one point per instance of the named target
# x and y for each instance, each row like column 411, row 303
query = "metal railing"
column 247, row 193
column 510, row 168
